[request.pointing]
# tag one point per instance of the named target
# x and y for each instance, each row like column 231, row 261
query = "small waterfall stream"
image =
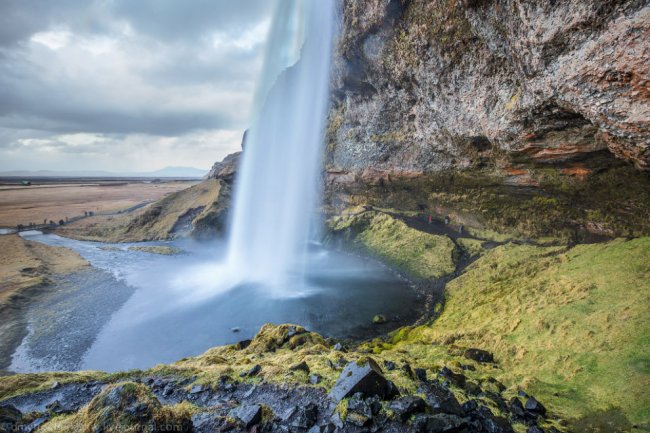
column 277, row 184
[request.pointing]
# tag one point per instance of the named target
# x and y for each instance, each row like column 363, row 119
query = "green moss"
column 421, row 255
column 157, row 249
column 569, row 326
column 472, row 247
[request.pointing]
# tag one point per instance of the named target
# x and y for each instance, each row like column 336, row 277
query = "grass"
column 571, row 327
column 421, row 255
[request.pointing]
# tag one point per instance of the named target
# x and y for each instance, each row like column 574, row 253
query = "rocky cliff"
column 427, row 85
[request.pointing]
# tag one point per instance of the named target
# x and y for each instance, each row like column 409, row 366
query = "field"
column 58, row 201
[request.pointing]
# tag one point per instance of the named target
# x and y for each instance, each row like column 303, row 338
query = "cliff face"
column 424, row 86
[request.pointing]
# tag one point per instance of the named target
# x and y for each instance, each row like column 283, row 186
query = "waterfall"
column 277, row 184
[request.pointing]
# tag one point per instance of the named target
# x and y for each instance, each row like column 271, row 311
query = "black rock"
column 438, row 423
column 533, row 406
column 300, row 367
column 390, row 365
column 315, row 379
column 197, row 389
column 522, row 394
column 491, row 423
column 479, row 355
column 359, row 412
column 56, row 407
column 404, row 407
column 421, row 374
column 9, row 417
column 408, row 370
column 516, row 408
column 243, row 344
column 206, row 422
column 456, row 378
column 534, row 429
column 469, row 406
column 323, row 428
column 254, row 371
column 301, row 417
column 472, row 388
column 441, row 400
column 248, row 415
column 366, row 378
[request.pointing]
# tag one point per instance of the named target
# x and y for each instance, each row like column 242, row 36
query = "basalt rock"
column 422, row 85
column 363, row 377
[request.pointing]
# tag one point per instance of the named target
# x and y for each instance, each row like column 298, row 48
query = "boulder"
column 438, row 423
column 404, row 407
column 491, row 423
column 302, row 366
column 315, row 379
column 248, row 415
column 362, row 376
column 421, row 374
column 441, row 400
column 535, row 407
column 358, row 411
column 379, row 319
column 302, row 417
column 479, row 355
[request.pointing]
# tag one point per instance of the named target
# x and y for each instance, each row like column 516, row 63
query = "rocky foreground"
column 362, row 398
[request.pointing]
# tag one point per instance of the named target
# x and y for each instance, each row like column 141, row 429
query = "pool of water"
column 134, row 309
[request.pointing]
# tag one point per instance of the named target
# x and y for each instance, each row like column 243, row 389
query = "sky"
column 124, row 85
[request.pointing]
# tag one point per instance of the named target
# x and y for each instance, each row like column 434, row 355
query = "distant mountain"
column 183, row 172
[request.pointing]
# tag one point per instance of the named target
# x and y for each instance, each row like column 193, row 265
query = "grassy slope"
column 572, row 327
column 421, row 255
column 153, row 222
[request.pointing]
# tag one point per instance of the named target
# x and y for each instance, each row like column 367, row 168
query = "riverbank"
column 25, row 272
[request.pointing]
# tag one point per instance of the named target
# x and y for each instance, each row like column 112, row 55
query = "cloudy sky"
column 126, row 85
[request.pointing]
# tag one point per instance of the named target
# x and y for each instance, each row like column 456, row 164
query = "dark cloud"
column 151, row 68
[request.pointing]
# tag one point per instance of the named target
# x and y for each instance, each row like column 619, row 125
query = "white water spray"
column 277, row 183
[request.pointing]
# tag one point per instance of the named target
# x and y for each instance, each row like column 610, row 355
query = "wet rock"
column 389, row 365
column 300, row 367
column 404, row 407
column 254, row 371
column 472, row 388
column 379, row 319
column 456, row 378
column 34, row 425
column 197, row 389
column 362, row 376
column 248, row 415
column 358, row 411
column 491, row 423
column 303, row 417
column 323, row 428
column 9, row 417
column 243, row 344
column 516, row 408
column 235, row 329
column 421, row 374
column 479, row 355
column 206, row 422
column 315, row 379
column 441, row 400
column 439, row 423
column 535, row 407
column 469, row 406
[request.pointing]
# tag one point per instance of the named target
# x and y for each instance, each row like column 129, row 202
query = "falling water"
column 277, row 184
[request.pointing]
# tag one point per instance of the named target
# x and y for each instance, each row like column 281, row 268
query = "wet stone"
column 365, row 378
column 248, row 415
column 404, row 407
